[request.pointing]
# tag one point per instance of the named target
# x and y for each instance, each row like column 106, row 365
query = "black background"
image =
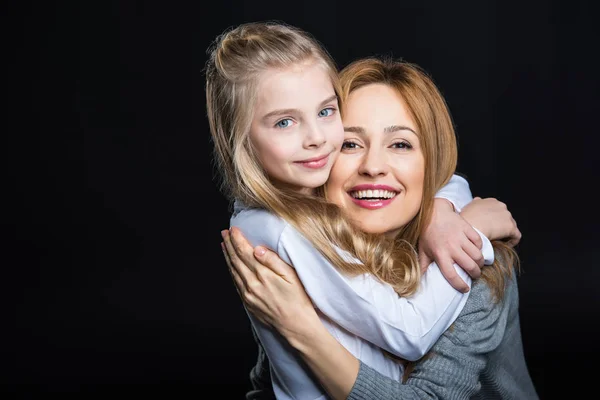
column 113, row 280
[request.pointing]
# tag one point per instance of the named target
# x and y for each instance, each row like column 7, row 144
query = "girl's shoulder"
column 259, row 226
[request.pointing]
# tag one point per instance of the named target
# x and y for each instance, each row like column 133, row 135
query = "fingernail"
column 260, row 251
column 465, row 290
column 223, row 233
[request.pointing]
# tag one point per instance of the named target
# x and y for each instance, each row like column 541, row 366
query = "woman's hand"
column 493, row 219
column 450, row 239
column 272, row 291
column 269, row 287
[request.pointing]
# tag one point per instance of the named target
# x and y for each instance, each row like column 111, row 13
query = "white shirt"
column 363, row 314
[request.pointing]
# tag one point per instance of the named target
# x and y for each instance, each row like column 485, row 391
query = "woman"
column 272, row 102
column 397, row 127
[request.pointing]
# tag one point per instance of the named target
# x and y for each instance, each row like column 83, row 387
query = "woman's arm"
column 452, row 371
column 293, row 316
column 485, row 332
column 260, row 374
column 335, row 367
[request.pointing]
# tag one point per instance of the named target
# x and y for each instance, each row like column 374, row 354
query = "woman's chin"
column 370, row 227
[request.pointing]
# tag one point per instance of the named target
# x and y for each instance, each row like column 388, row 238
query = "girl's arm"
column 493, row 219
column 404, row 326
column 450, row 238
column 407, row 327
column 457, row 192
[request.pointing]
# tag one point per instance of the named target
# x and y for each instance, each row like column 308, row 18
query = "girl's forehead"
column 294, row 86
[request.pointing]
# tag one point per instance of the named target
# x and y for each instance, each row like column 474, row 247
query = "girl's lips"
column 314, row 163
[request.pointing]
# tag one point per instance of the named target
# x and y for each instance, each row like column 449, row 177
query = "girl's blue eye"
column 326, row 112
column 284, row 123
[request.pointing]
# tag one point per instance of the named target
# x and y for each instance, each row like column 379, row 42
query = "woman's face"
column 297, row 131
column 378, row 177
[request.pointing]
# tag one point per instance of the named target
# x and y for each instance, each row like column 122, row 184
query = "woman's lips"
column 372, row 196
column 372, row 204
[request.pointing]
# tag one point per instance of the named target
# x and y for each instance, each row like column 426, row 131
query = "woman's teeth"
column 373, row 194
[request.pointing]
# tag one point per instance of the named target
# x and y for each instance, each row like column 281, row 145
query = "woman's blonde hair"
column 437, row 137
column 236, row 61
column 436, row 134
column 428, row 109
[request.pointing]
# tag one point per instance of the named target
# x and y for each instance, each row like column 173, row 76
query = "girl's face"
column 379, row 176
column 297, row 131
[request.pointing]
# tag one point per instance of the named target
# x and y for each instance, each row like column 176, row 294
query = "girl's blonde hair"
column 236, row 61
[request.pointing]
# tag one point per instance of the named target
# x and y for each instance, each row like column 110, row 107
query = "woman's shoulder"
column 481, row 297
column 484, row 316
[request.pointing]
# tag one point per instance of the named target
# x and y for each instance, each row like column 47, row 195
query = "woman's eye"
column 349, row 145
column 402, row 145
column 284, row 123
column 326, row 112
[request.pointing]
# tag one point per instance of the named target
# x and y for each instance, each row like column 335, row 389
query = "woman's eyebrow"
column 355, row 129
column 396, row 128
column 390, row 129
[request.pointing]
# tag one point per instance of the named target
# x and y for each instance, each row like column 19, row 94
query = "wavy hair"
column 236, row 61
column 435, row 129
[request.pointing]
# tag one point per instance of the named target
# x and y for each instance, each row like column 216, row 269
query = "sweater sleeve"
column 260, row 375
column 453, row 368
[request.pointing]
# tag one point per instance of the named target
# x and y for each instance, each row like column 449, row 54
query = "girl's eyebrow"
column 292, row 110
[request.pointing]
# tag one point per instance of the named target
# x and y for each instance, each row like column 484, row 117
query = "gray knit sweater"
column 479, row 357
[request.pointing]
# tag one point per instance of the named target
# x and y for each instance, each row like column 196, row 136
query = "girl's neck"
column 307, row 191
column 293, row 188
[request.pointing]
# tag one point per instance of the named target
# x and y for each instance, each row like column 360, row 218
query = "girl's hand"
column 493, row 219
column 450, row 239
